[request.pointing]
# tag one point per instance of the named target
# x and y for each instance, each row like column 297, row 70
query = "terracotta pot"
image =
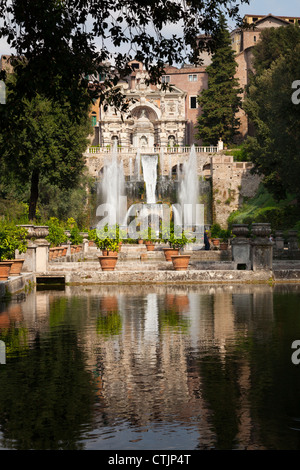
column 150, row 247
column 108, row 263
column 170, row 252
column 5, row 267
column 216, row 241
column 16, row 267
column 180, row 262
column 140, row 242
column 223, row 246
column 147, row 242
column 64, row 252
column 109, row 253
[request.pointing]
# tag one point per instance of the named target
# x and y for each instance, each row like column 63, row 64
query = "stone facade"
column 155, row 117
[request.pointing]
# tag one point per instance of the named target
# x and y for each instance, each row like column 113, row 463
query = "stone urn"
column 261, row 230
column 108, row 263
column 180, row 262
column 240, row 230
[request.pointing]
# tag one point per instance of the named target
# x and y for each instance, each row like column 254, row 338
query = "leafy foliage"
column 40, row 142
column 78, row 37
column 274, row 148
column 220, row 101
column 57, row 234
column 106, row 238
column 12, row 238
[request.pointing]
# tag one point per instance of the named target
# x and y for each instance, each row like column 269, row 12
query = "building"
column 243, row 41
column 156, row 117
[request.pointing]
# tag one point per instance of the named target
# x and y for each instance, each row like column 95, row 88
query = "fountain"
column 149, row 164
column 187, row 211
column 111, row 190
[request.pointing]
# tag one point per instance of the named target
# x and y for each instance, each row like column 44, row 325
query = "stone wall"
column 232, row 182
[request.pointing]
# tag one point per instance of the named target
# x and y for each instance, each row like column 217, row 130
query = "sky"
column 256, row 7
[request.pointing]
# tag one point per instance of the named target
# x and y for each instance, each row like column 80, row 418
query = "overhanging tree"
column 57, row 60
column 58, row 38
column 221, row 101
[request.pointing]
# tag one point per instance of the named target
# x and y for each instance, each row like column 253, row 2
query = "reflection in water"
column 162, row 367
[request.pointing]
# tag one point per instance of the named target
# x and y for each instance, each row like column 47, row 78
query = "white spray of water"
column 149, row 164
column 188, row 194
column 112, row 184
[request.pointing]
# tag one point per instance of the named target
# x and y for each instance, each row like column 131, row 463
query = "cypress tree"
column 221, row 100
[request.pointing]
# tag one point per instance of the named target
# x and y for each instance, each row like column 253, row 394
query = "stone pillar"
column 262, row 247
column 279, row 240
column 85, row 246
column 37, row 254
column 293, row 240
column 241, row 247
column 42, row 256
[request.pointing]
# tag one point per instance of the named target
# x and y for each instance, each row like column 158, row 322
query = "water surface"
column 151, row 367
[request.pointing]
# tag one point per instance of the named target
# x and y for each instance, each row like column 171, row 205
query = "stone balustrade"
column 151, row 150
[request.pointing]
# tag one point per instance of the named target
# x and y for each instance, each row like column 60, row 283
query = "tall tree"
column 40, row 141
column 275, row 147
column 221, row 101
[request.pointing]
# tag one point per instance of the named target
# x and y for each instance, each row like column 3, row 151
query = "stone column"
column 37, row 254
column 262, row 247
column 241, row 247
column 293, row 240
column 279, row 240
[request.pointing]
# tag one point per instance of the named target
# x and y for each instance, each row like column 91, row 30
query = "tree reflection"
column 46, row 395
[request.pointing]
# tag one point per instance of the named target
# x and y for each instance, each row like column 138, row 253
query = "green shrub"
column 57, row 234
column 12, row 238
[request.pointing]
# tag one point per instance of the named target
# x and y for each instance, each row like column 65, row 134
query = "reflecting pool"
column 151, row 367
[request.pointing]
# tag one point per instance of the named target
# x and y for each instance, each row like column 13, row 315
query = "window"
column 94, row 119
column 254, row 38
column 193, row 78
column 165, row 79
column 193, row 102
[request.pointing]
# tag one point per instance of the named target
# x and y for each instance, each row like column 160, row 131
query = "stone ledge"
column 16, row 284
column 167, row 277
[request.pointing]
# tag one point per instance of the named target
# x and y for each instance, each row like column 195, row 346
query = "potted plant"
column 107, row 239
column 181, row 261
column 148, row 238
column 170, row 238
column 215, row 234
column 76, row 238
column 224, row 237
column 12, row 238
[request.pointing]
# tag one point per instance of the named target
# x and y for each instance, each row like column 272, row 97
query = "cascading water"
column 112, row 187
column 188, row 194
column 149, row 164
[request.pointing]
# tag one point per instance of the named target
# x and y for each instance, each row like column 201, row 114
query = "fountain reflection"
column 193, row 364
